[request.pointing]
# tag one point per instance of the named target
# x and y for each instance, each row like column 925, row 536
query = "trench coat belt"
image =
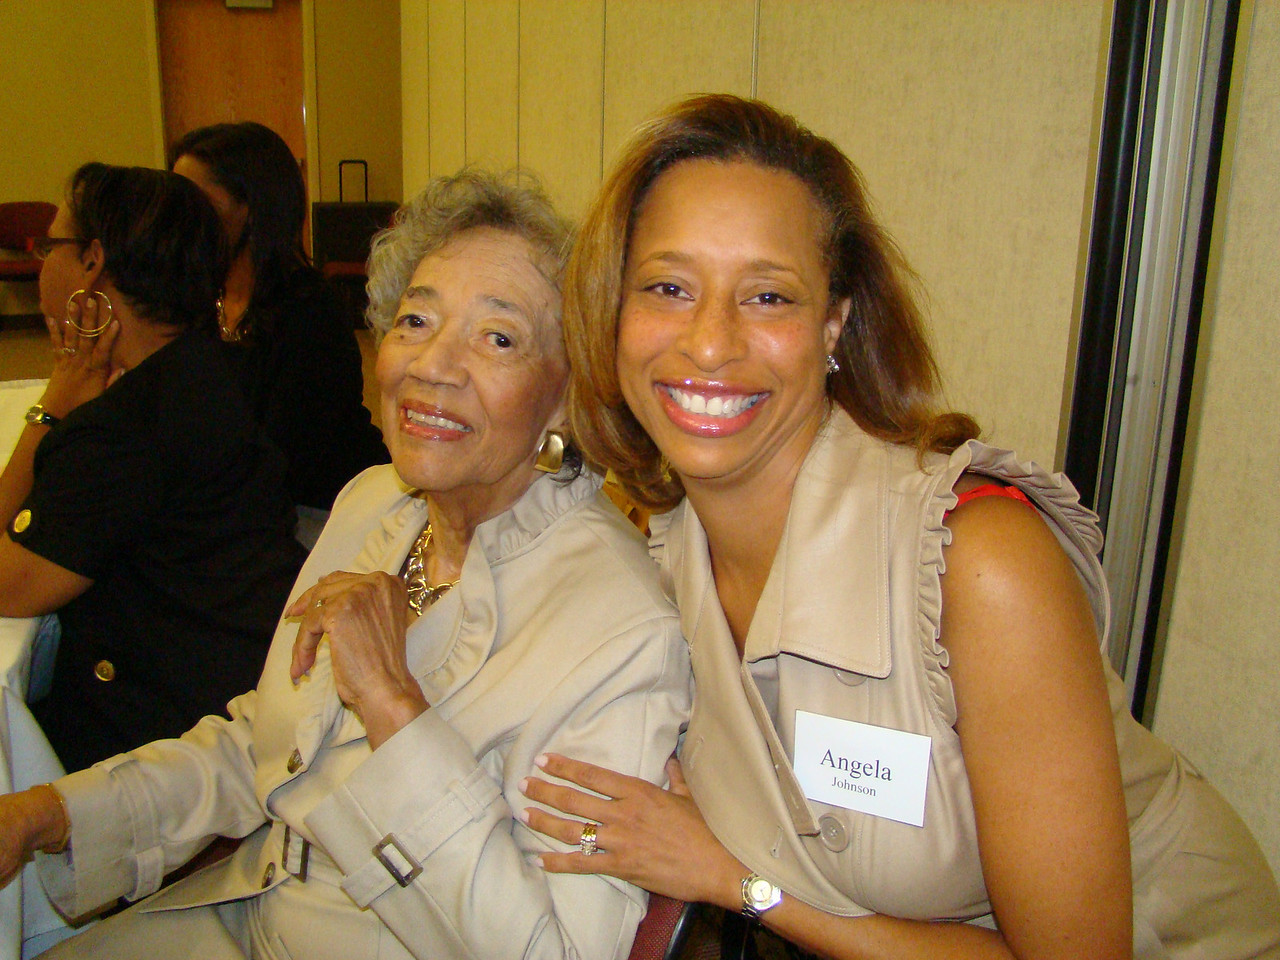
column 300, row 857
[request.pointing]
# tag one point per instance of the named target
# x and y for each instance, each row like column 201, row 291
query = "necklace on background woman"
column 423, row 594
column 230, row 334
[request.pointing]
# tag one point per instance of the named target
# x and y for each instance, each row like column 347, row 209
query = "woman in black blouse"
column 298, row 358
column 142, row 503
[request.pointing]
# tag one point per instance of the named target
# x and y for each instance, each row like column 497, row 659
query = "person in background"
column 902, row 714
column 295, row 352
column 466, row 609
column 142, row 503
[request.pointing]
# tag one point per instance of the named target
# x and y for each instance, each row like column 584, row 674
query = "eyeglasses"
column 43, row 246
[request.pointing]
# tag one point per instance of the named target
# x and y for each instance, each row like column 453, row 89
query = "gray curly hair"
column 448, row 206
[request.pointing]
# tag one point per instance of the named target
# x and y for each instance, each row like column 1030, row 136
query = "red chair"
column 21, row 224
column 662, row 932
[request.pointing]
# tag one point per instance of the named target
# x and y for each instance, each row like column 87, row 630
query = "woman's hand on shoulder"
column 649, row 836
column 1037, row 733
column 658, row 840
column 365, row 618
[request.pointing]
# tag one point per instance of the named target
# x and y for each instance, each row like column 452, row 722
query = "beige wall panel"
column 55, row 115
column 1219, row 696
column 561, row 78
column 415, row 100
column 657, row 53
column 493, row 83
column 973, row 125
column 358, row 95
column 446, row 66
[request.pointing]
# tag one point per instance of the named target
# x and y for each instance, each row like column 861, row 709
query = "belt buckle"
column 398, row 871
column 304, row 855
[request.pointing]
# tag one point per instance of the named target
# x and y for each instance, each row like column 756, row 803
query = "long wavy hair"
column 256, row 167
column 888, row 380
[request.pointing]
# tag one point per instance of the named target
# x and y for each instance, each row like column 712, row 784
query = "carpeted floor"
column 25, row 353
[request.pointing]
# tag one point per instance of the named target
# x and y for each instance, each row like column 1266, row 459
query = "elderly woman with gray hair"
column 467, row 609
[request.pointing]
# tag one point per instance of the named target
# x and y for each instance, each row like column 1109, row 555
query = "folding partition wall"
column 1160, row 152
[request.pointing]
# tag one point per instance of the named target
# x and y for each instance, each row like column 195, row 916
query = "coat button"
column 834, row 836
column 295, row 761
column 104, row 670
column 850, row 679
column 268, row 875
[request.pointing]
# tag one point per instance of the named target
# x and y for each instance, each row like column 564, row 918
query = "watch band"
column 758, row 895
column 39, row 415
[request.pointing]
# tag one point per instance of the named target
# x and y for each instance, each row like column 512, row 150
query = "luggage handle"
column 364, row 167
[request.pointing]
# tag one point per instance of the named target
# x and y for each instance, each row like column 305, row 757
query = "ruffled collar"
column 452, row 640
column 511, row 532
column 832, row 567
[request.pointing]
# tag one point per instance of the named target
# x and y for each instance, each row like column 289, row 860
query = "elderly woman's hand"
column 651, row 837
column 365, row 617
column 81, row 365
column 29, row 821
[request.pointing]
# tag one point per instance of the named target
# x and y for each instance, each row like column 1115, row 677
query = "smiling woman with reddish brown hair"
column 902, row 714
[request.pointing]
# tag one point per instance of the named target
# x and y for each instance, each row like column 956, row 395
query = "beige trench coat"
column 557, row 638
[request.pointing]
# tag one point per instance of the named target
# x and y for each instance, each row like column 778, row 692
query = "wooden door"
column 221, row 65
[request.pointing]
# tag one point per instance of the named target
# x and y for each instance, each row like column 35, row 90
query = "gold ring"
column 319, row 602
column 69, row 351
column 587, row 842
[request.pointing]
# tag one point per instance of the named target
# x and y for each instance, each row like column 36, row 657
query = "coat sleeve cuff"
column 98, row 865
column 402, row 804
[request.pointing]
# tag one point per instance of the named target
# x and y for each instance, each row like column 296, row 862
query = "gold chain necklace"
column 421, row 593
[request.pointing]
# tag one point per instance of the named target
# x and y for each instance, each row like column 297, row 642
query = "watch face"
column 39, row 414
column 759, row 895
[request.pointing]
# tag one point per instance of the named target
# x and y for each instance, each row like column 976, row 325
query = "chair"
column 21, row 223
column 663, row 929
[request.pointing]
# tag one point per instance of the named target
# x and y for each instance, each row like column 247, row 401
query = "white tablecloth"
column 28, row 923
column 16, row 396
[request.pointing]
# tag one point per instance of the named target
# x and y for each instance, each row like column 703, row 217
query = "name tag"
column 862, row 767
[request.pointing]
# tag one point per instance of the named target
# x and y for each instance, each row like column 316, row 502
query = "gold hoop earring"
column 550, row 453
column 85, row 331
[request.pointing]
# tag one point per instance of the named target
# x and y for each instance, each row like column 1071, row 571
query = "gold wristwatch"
column 758, row 895
column 39, row 415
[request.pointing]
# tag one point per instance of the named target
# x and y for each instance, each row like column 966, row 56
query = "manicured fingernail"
column 524, row 785
column 540, row 760
column 523, row 815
